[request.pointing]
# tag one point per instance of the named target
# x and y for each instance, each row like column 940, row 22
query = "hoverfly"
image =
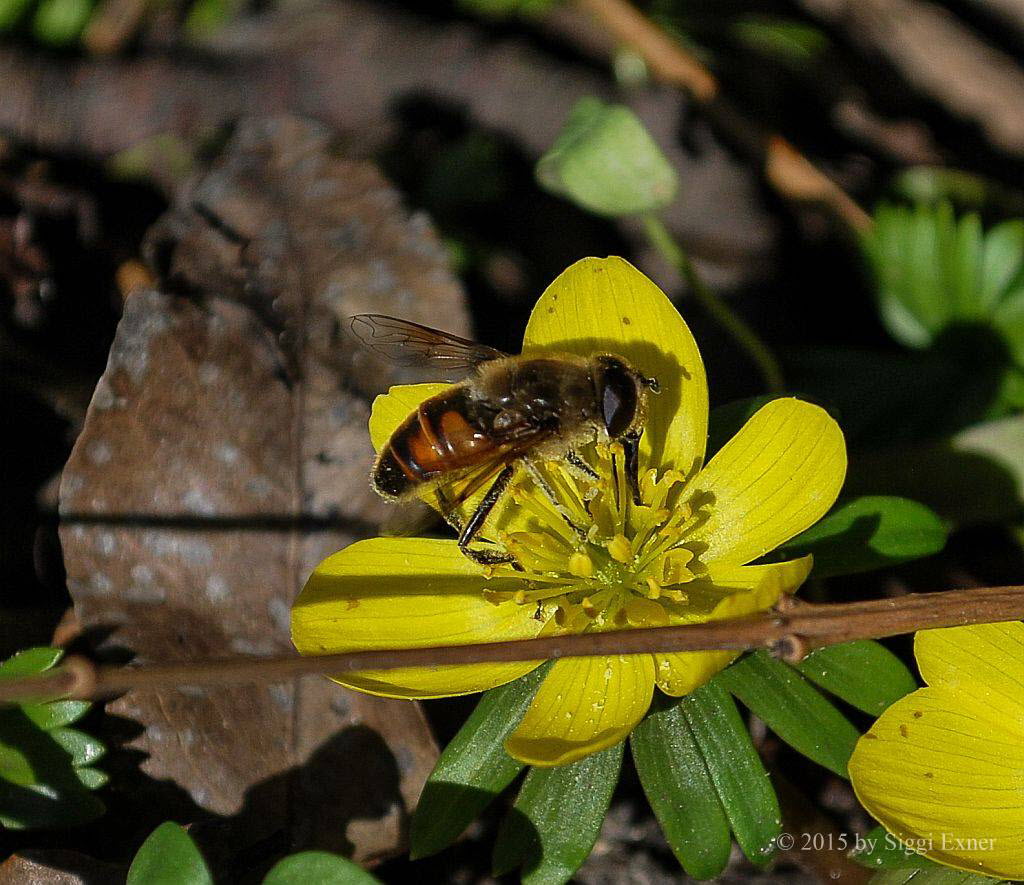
column 508, row 411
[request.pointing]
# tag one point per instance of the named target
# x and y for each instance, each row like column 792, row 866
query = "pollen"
column 592, row 557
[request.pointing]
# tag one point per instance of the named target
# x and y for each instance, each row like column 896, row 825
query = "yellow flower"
column 943, row 768
column 680, row 557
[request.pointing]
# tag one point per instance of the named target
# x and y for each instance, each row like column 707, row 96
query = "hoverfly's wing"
column 410, row 344
column 464, row 485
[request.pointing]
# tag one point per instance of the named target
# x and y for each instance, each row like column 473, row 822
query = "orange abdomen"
column 435, row 439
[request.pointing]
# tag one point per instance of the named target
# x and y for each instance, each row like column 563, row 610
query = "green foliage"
column 318, row 868
column 507, row 8
column 675, row 777
column 556, row 818
column 974, row 476
column 474, row 767
column 863, row 673
column 169, row 857
column 606, row 162
column 869, row 533
column 796, row 43
column 736, row 770
column 45, row 766
column 793, row 708
column 935, row 273
column 61, row 22
column 11, row 12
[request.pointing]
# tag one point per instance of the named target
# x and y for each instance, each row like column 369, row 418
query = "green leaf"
column 60, row 22
column 863, row 673
column 605, row 161
column 55, row 713
column 474, row 767
column 318, row 868
column 30, row 662
column 44, row 780
column 789, row 40
column 880, row 849
column 11, row 12
column 736, row 770
column 869, row 533
column 169, row 857
column 679, row 788
column 793, row 708
column 81, row 747
column 974, row 476
column 933, row 270
column 556, row 818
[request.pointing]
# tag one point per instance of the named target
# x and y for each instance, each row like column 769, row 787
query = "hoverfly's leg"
column 447, row 510
column 580, row 466
column 475, row 523
column 549, row 493
column 631, row 446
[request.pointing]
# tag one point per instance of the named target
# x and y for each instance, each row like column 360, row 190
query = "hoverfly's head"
column 622, row 396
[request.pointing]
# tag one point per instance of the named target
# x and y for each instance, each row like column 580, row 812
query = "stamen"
column 620, row 549
column 581, row 565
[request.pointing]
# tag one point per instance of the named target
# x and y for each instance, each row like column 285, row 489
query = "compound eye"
column 618, row 401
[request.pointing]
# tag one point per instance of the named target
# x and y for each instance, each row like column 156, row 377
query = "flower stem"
column 792, row 629
column 722, row 314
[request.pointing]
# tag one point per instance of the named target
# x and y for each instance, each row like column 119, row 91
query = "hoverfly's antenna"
column 652, row 385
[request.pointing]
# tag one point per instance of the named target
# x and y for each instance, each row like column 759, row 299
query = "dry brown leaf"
column 225, row 453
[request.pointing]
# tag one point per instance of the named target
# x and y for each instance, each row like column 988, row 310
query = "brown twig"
column 793, row 629
column 784, row 167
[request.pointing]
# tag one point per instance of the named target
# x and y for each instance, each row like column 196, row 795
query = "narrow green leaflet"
column 45, row 773
column 679, row 788
column 736, row 770
column 793, row 708
column 169, row 857
column 864, row 673
column 556, row 818
column 318, row 868
column 473, row 768
column 883, row 851
column 869, row 533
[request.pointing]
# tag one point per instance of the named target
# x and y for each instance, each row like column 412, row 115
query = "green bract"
column 605, row 161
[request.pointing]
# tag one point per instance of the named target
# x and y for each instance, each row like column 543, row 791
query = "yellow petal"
column 583, row 705
column 984, row 661
column 605, row 305
column 408, row 593
column 753, row 588
column 947, row 780
column 392, row 408
column 779, row 475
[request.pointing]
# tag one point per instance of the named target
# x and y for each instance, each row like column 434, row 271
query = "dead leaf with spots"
column 224, row 454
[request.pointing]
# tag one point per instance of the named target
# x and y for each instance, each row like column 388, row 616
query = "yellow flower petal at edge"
column 407, row 593
column 943, row 768
column 605, row 305
column 778, row 476
column 583, row 705
column 680, row 673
